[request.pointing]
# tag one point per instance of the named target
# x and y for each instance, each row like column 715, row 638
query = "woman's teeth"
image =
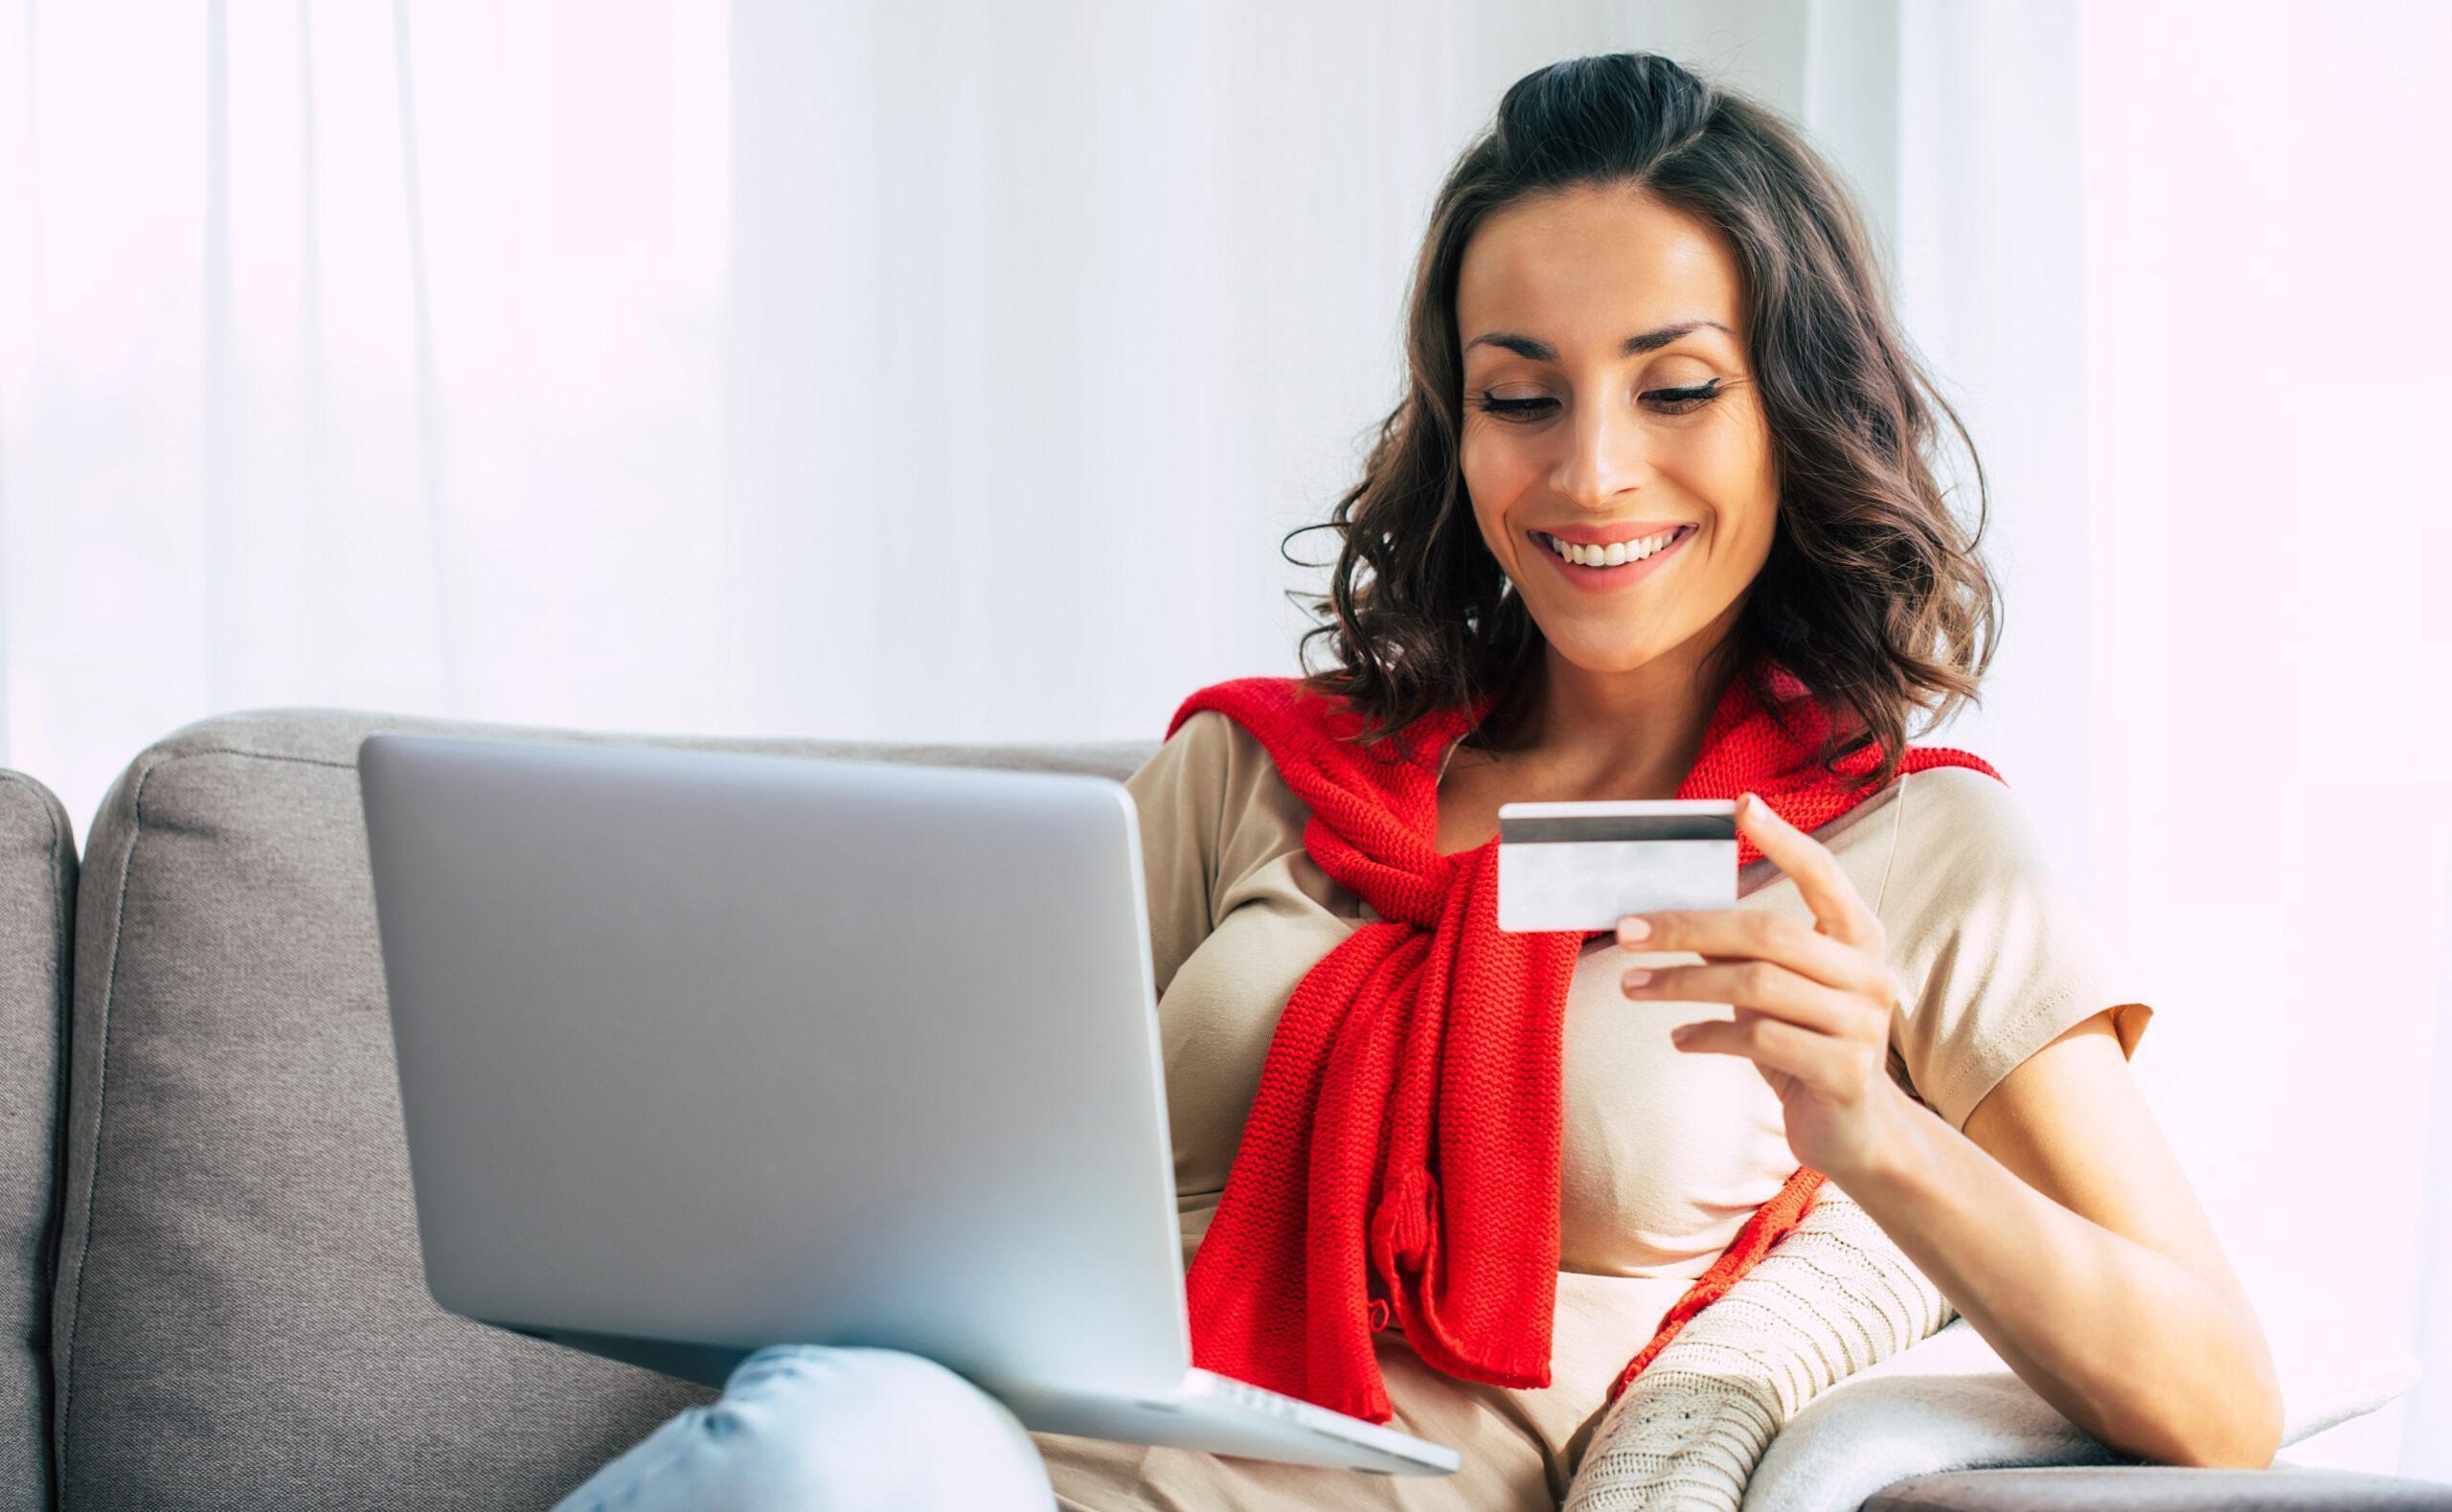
column 1613, row 554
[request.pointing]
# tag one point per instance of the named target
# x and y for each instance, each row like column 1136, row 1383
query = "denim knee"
column 838, row 1429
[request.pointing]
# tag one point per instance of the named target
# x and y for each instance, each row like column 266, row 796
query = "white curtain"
column 956, row 372
column 2181, row 267
column 2184, row 264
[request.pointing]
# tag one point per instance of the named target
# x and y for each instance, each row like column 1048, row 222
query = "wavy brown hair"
column 1873, row 594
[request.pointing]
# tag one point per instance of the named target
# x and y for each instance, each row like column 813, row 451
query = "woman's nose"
column 1608, row 453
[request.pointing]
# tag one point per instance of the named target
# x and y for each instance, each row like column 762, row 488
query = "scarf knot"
column 1402, row 1231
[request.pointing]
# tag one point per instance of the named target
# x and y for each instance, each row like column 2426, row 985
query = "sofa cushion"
column 2160, row 1488
column 38, row 902
column 240, row 1319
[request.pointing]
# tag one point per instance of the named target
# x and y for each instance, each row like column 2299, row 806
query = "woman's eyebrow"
column 1633, row 346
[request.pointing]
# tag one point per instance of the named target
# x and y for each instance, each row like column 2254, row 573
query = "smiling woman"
column 1661, row 480
column 1654, row 518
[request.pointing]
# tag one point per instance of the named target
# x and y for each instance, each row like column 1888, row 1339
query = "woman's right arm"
column 1178, row 796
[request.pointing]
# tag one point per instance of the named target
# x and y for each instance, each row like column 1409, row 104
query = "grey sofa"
column 212, row 1290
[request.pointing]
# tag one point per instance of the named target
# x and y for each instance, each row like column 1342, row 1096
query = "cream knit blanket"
column 1835, row 1299
column 1834, row 1296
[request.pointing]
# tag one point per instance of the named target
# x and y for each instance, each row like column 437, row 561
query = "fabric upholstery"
column 37, row 905
column 2160, row 1488
column 240, row 1319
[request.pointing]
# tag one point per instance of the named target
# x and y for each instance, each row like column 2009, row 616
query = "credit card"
column 1586, row 865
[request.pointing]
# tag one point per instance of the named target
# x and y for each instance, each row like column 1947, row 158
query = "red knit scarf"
column 1401, row 1157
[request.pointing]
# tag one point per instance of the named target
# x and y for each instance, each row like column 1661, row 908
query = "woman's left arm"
column 2062, row 1228
column 2058, row 1224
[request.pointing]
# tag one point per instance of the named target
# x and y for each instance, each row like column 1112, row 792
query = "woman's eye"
column 1677, row 401
column 1512, row 409
column 1671, row 401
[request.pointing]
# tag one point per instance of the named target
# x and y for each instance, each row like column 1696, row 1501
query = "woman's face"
column 1605, row 331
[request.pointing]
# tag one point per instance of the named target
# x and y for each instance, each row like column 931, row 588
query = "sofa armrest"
column 38, row 910
column 2158, row 1488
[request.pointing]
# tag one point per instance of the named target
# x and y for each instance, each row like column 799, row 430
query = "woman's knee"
column 831, row 1429
column 849, row 1429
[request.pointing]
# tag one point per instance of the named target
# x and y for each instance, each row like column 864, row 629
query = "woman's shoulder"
column 1218, row 774
column 1955, row 778
column 1957, row 806
column 1210, row 750
column 1969, row 853
column 1214, row 732
column 1999, row 954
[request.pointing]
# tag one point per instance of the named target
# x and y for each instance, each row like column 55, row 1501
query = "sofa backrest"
column 239, row 1316
column 37, row 906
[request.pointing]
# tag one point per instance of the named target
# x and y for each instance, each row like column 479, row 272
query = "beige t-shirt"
column 1665, row 1152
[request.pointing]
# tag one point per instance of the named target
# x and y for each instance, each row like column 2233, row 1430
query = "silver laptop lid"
column 734, row 1050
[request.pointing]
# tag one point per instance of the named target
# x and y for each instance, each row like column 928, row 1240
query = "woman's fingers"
column 1830, row 1069
column 1817, row 873
column 1757, row 933
column 1757, row 985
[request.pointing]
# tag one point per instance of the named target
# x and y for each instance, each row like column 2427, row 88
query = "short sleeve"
column 1996, row 956
column 1178, row 798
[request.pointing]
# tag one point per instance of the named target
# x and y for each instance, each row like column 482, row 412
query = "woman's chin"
column 1603, row 652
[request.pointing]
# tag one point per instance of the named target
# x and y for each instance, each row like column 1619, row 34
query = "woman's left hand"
column 1812, row 1007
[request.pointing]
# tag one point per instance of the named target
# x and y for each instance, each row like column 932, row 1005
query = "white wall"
column 2271, row 608
column 2181, row 269
column 933, row 372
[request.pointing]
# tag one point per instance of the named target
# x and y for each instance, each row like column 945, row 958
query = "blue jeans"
column 830, row 1430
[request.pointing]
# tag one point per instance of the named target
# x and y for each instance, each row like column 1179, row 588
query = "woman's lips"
column 1602, row 579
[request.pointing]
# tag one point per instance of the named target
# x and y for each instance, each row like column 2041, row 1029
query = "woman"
column 1645, row 313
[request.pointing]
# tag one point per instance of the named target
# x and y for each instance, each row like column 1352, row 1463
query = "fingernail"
column 1635, row 978
column 1633, row 927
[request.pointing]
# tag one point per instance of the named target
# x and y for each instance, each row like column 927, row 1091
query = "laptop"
column 701, row 1052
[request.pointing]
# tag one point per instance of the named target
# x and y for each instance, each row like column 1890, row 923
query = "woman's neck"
column 1629, row 734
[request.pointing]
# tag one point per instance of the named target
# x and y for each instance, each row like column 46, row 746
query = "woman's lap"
column 841, row 1429
column 847, row 1430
